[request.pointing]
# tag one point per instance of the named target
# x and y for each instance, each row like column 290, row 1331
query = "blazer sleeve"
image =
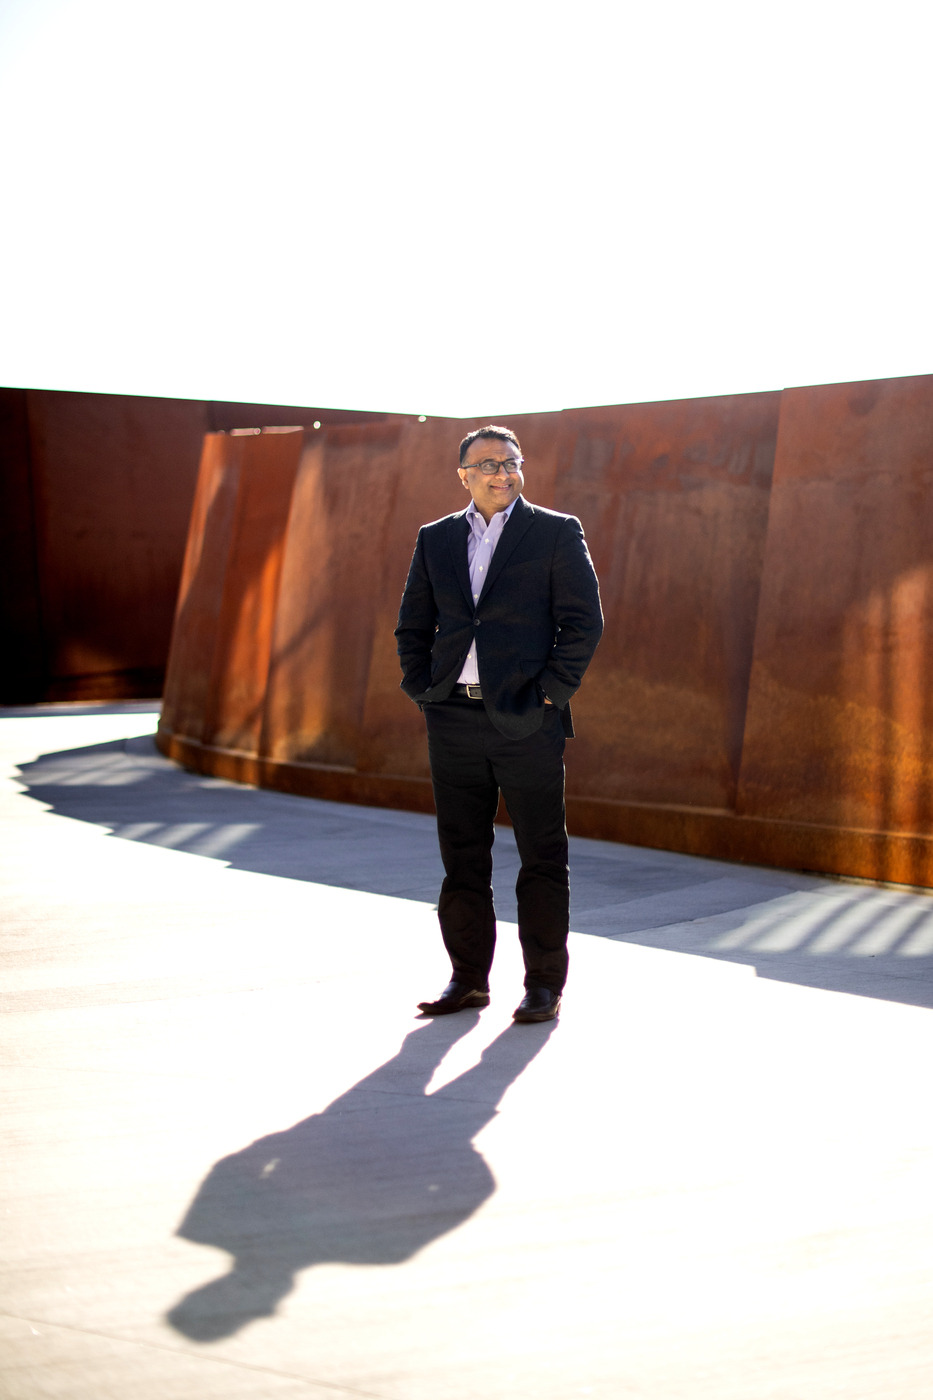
column 417, row 624
column 577, row 612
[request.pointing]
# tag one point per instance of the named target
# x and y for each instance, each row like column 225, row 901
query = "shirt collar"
column 473, row 516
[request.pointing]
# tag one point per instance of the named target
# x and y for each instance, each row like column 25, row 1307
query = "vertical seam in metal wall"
column 761, row 583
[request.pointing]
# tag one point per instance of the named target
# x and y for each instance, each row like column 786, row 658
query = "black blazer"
column 537, row 622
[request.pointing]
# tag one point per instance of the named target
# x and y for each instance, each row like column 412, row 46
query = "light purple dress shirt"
column 481, row 546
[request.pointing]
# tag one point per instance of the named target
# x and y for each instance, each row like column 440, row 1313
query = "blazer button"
column 476, row 622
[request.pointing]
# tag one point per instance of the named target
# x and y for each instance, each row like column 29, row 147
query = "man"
column 499, row 620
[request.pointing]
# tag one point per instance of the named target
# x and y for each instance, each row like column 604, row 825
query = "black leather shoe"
column 538, row 1004
column 454, row 997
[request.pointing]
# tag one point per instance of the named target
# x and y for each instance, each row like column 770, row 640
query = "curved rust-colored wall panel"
column 264, row 477
column 284, row 672
column 332, row 574
column 200, row 594
column 95, row 500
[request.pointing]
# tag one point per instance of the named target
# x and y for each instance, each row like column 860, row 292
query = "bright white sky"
column 464, row 208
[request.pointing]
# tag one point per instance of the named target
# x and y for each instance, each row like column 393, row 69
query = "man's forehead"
column 481, row 447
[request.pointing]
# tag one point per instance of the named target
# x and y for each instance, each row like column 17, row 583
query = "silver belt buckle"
column 474, row 692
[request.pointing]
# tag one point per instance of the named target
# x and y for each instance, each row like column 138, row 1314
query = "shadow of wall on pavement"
column 127, row 787
column 790, row 926
column 839, row 937
column 383, row 1171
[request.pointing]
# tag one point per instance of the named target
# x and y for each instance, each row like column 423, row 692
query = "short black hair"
column 503, row 434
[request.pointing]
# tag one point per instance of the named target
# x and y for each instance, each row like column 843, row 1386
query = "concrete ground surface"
column 237, row 1164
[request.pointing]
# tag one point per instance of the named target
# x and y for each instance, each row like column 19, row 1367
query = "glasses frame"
column 513, row 465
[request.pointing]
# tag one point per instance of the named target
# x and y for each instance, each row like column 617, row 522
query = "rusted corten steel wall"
column 95, row 501
column 762, row 688
column 838, row 750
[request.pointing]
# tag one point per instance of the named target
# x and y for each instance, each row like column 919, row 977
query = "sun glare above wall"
column 428, row 209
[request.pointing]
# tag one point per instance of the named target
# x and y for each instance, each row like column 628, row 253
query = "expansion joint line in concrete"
column 35, row 1323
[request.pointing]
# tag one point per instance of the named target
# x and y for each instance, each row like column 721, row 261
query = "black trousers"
column 470, row 762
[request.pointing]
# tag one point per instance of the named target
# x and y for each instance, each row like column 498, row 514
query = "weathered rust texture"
column 331, row 720
column 24, row 668
column 221, row 648
column 226, row 417
column 200, row 594
column 840, row 720
column 674, row 501
column 673, row 498
column 240, row 666
column 824, row 578
column 332, row 576
column 110, row 526
column 95, row 500
column 110, row 482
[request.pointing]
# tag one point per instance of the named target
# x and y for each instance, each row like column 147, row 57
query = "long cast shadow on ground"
column 788, row 925
column 383, row 1171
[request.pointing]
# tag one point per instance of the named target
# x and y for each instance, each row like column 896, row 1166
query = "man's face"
column 495, row 492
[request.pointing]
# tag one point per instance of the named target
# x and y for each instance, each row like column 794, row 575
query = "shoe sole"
column 532, row 1016
column 432, row 1009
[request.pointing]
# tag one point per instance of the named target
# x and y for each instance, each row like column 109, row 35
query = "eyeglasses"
column 490, row 466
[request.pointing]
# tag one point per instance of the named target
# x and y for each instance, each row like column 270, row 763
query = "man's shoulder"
column 444, row 521
column 556, row 517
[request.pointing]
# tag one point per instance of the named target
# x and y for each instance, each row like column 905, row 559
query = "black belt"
column 472, row 692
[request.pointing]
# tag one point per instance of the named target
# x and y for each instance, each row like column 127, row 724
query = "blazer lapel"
column 518, row 523
column 457, row 534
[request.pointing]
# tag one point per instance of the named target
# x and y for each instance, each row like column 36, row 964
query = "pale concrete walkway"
column 237, row 1165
